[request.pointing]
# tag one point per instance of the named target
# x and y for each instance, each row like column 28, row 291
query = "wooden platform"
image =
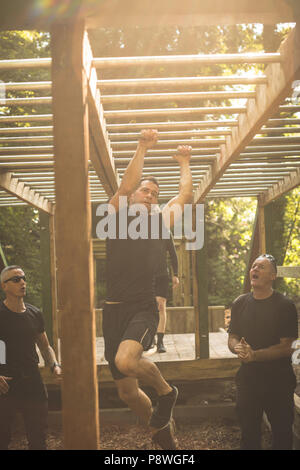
column 179, row 362
column 180, row 347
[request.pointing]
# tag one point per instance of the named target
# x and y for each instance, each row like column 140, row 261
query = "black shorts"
column 124, row 321
column 161, row 287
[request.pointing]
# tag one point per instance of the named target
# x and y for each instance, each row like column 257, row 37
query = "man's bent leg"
column 135, row 398
column 129, row 361
column 162, row 308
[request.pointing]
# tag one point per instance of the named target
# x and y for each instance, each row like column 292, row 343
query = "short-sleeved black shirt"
column 131, row 265
column 167, row 245
column 19, row 332
column 263, row 322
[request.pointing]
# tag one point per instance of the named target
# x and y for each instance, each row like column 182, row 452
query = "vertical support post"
column 186, row 273
column 200, row 294
column 177, row 292
column 261, row 229
column 253, row 253
column 73, row 237
column 49, row 277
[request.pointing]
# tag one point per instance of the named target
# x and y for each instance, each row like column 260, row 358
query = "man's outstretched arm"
column 133, row 173
column 185, row 195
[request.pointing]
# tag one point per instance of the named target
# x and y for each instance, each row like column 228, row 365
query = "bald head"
column 6, row 272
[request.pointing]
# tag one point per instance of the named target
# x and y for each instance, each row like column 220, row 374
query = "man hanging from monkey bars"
column 130, row 314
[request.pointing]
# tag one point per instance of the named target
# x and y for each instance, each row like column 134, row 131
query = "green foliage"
column 20, row 240
column 229, row 225
column 292, row 241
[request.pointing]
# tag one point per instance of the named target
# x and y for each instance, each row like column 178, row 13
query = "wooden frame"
column 73, row 220
column 148, row 13
column 280, row 78
column 23, row 192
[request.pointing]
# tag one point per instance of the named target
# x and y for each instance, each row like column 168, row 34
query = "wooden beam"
column 261, row 229
column 47, row 248
column 200, row 299
column 101, row 152
column 75, row 286
column 22, row 191
column 288, row 271
column 268, row 98
column 288, row 183
column 189, row 13
column 253, row 253
column 20, row 14
column 188, row 370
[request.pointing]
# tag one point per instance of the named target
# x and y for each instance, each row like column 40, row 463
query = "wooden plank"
column 53, row 281
column 287, row 184
column 261, row 230
column 73, row 238
column 288, row 271
column 268, row 98
column 200, row 294
column 186, row 276
column 46, row 273
column 22, row 191
column 253, row 253
column 187, row 370
column 189, row 13
column 20, row 14
column 101, row 152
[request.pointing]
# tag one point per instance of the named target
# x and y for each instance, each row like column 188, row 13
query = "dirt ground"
column 215, row 434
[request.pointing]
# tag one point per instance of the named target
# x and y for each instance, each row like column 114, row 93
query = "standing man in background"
column 262, row 329
column 21, row 386
column 162, row 287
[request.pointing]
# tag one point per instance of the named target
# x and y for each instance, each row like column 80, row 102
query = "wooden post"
column 261, row 229
column 73, row 237
column 200, row 294
column 177, row 299
column 186, row 274
column 253, row 253
column 49, row 277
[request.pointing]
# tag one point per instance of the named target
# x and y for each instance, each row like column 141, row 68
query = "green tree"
column 20, row 240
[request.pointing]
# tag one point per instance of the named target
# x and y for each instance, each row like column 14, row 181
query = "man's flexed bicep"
column 133, row 173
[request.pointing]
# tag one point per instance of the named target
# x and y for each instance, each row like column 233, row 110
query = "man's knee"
column 126, row 365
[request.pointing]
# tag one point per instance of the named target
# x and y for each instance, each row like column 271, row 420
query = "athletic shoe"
column 163, row 411
column 161, row 348
column 165, row 437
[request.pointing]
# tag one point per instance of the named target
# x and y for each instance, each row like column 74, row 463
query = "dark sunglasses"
column 16, row 279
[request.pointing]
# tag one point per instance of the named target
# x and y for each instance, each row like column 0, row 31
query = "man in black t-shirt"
column 21, row 386
column 262, row 329
column 130, row 315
